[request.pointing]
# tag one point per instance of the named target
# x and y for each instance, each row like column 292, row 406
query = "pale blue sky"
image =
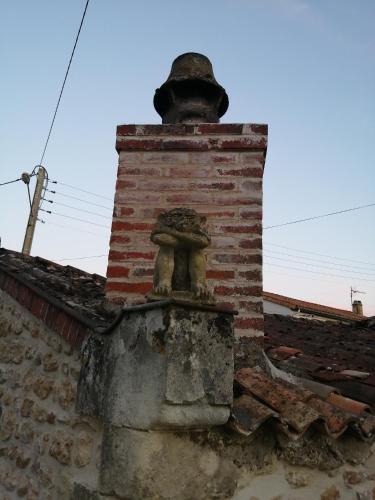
column 304, row 67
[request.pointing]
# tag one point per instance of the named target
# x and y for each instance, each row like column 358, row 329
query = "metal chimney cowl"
column 191, row 93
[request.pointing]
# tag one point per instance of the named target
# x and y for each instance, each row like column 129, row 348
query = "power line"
column 317, row 272
column 83, row 190
column 319, row 266
column 74, row 218
column 323, row 261
column 320, row 254
column 79, row 209
column 86, row 257
column 71, row 228
column 320, row 216
column 63, row 85
column 10, row 182
column 78, row 199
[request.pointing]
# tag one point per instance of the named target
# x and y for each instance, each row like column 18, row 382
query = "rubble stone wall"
column 215, row 169
column 44, row 445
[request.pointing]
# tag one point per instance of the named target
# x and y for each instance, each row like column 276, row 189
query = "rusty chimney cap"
column 194, row 72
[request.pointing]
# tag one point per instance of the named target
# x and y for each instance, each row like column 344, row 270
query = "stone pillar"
column 217, row 170
column 166, row 368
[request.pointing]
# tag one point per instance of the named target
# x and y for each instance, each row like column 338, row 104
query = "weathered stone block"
column 162, row 465
column 164, row 366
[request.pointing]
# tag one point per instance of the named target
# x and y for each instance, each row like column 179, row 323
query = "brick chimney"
column 357, row 307
column 214, row 168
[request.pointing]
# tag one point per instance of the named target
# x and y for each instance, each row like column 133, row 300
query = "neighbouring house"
column 273, row 303
column 301, row 424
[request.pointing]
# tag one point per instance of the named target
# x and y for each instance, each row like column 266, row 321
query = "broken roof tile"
column 347, row 404
column 283, row 352
column 292, row 409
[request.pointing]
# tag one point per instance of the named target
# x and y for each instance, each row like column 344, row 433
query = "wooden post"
column 31, row 223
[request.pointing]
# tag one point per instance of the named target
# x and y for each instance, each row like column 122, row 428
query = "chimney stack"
column 192, row 161
column 357, row 307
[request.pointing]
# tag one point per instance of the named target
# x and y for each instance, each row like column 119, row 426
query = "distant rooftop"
column 312, row 308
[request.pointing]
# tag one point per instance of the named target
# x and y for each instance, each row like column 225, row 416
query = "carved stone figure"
column 180, row 268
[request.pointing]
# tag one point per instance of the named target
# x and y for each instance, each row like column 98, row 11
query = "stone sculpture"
column 180, row 268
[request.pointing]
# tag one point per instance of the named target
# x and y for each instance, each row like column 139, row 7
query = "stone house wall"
column 44, row 445
column 215, row 169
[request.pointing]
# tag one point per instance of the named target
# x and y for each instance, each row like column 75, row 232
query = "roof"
column 327, row 358
column 294, row 409
column 311, row 307
column 341, row 355
column 79, row 293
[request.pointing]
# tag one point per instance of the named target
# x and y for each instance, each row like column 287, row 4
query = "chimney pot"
column 357, row 307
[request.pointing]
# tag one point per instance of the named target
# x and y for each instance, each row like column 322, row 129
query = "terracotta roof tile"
column 293, row 409
column 341, row 355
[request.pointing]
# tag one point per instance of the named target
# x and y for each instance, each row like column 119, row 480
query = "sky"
column 304, row 67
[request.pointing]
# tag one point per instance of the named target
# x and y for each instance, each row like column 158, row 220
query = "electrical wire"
column 74, row 218
column 319, row 254
column 320, row 216
column 322, row 261
column 83, row 190
column 28, row 192
column 79, row 209
column 81, row 258
column 71, row 228
column 10, row 182
column 78, row 199
column 318, row 266
column 317, row 272
column 63, row 85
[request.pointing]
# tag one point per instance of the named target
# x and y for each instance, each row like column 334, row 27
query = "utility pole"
column 33, row 217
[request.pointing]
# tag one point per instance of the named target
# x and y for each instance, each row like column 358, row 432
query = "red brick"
column 36, row 306
column 242, row 172
column 239, row 290
column 123, row 144
column 253, row 229
column 227, row 214
column 117, row 272
column 243, row 143
column 122, row 256
column 224, row 158
column 126, row 130
column 251, row 214
column 122, row 240
column 249, row 323
column 124, row 170
column 195, row 171
column 120, row 184
column 251, row 244
column 238, row 258
column 220, row 186
column 124, row 211
column 131, row 226
column 188, row 198
column 251, row 306
column 259, row 128
column 186, row 144
column 220, row 128
column 251, row 186
column 150, row 212
column 219, row 275
column 251, row 275
column 136, row 197
column 233, row 200
column 141, row 288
